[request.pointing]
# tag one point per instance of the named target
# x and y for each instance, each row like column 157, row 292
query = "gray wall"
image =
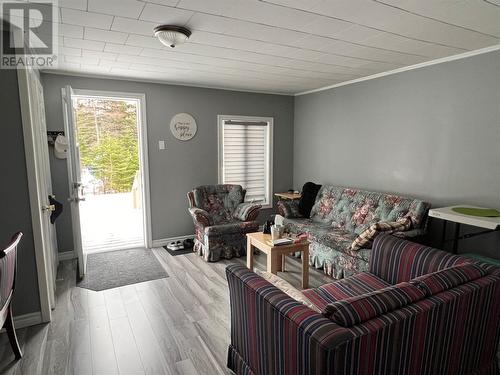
column 183, row 165
column 14, row 198
column 432, row 133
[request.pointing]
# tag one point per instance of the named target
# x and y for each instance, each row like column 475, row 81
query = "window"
column 245, row 155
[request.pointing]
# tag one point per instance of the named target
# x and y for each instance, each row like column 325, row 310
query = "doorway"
column 107, row 141
column 111, row 212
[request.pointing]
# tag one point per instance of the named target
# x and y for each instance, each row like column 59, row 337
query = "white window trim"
column 269, row 155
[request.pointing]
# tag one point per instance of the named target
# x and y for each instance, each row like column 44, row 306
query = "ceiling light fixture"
column 171, row 35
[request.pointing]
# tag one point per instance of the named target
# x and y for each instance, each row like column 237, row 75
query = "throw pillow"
column 369, row 234
column 358, row 309
column 308, row 197
column 439, row 281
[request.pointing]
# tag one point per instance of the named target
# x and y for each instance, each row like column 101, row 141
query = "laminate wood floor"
column 178, row 325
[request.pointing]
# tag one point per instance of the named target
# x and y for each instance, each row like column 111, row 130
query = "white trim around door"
column 143, row 150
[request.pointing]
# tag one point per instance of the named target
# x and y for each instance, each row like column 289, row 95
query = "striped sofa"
column 416, row 311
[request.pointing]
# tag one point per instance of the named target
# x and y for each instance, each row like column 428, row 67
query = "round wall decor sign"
column 183, row 126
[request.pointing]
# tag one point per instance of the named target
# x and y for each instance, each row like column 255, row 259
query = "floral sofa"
column 344, row 221
column 417, row 311
column 221, row 220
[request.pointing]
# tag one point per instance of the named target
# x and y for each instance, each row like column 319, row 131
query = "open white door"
column 45, row 185
column 75, row 186
column 40, row 185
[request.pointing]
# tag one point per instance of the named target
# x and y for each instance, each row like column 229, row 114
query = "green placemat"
column 482, row 212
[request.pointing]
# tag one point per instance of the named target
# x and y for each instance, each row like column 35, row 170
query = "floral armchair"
column 221, row 220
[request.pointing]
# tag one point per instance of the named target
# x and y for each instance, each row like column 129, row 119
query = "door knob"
column 49, row 207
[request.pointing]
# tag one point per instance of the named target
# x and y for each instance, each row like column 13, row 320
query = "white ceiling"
column 283, row 46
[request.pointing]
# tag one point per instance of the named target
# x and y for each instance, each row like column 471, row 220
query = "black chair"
column 8, row 265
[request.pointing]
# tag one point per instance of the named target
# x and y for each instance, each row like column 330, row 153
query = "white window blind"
column 245, row 156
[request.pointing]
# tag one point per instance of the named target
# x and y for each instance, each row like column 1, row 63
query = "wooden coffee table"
column 276, row 254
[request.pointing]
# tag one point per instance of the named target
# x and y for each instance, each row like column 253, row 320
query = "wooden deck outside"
column 110, row 222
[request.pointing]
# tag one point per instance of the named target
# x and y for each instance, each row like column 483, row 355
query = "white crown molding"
column 164, row 241
column 159, row 81
column 460, row 56
column 362, row 79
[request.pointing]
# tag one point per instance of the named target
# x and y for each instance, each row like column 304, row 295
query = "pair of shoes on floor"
column 175, row 245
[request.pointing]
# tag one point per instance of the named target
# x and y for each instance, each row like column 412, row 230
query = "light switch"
column 161, row 145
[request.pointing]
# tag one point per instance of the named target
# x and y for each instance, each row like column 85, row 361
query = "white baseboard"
column 27, row 320
column 164, row 241
column 65, row 255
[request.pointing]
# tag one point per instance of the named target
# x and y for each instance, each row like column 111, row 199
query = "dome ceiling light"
column 171, row 35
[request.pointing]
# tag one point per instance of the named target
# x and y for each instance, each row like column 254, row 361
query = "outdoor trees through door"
column 107, row 135
column 109, row 170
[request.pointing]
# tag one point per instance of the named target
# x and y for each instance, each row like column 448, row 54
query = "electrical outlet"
column 161, row 145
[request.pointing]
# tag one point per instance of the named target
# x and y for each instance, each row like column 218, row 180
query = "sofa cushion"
column 288, row 288
column 308, row 197
column 338, row 239
column 321, row 233
column 437, row 282
column 301, row 225
column 355, row 285
column 327, row 243
column 334, row 257
column 354, row 310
